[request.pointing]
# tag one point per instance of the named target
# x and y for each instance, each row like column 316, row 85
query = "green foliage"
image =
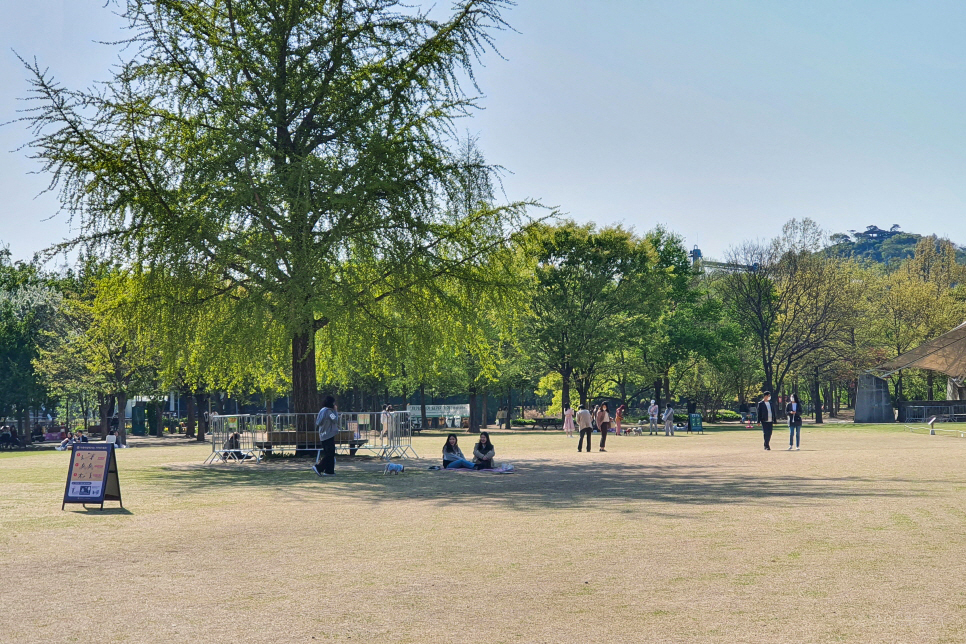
column 890, row 247
column 28, row 304
column 281, row 171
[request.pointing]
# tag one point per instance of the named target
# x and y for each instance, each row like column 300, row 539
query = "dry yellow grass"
column 857, row 538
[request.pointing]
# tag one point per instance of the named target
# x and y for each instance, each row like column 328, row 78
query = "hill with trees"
column 882, row 246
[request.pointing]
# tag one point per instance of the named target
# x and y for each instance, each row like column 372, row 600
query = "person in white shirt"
column 653, row 411
column 766, row 417
column 669, row 420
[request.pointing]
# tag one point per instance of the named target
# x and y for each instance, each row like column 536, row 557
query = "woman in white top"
column 569, row 422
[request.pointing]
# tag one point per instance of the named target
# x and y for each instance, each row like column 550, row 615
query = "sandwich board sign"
column 696, row 423
column 92, row 475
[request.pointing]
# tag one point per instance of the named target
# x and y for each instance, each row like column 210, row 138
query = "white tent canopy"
column 945, row 354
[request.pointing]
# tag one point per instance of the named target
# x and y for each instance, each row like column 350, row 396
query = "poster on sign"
column 92, row 475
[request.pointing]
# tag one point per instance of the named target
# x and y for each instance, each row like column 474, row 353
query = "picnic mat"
column 506, row 468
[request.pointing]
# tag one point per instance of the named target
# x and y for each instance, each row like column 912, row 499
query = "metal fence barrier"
column 384, row 434
column 948, row 413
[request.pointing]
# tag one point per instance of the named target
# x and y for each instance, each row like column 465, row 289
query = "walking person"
column 568, row 424
column 327, row 424
column 585, row 423
column 794, row 412
column 766, row 417
column 652, row 413
column 603, row 424
column 669, row 420
column 500, row 417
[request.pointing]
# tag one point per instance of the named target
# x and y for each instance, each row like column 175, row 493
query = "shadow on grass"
column 92, row 511
column 535, row 485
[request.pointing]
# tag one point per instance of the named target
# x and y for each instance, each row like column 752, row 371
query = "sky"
column 719, row 120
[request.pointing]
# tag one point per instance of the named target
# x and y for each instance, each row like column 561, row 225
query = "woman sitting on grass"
column 483, row 453
column 453, row 458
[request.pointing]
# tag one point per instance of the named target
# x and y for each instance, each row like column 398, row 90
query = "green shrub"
column 727, row 414
column 523, row 422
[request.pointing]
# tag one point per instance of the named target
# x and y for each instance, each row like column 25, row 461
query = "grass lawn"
column 859, row 537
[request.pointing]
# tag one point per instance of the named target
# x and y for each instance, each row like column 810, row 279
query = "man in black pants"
column 327, row 424
column 766, row 416
column 585, row 425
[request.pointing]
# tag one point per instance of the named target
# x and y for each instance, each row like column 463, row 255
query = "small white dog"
column 394, row 468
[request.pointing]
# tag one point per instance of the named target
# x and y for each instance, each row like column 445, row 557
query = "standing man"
column 603, row 424
column 652, row 413
column 669, row 420
column 766, row 416
column 585, row 423
column 327, row 424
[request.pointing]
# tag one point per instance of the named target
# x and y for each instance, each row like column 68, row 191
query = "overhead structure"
column 945, row 354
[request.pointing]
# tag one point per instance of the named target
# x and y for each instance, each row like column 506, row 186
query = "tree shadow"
column 537, row 484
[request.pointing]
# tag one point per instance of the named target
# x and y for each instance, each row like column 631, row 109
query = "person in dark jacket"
column 327, row 424
column 794, row 412
column 766, row 417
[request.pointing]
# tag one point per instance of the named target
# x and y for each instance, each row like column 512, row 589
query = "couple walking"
column 766, row 417
column 585, row 423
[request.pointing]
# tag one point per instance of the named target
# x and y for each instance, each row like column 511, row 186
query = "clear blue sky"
column 720, row 120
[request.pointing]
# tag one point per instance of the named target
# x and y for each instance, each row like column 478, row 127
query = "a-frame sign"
column 92, row 476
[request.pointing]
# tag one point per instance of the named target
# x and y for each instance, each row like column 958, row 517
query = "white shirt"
column 768, row 407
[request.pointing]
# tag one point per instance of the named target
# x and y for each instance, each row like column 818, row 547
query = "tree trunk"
column 484, row 419
column 474, row 412
column 817, row 400
column 929, row 385
column 509, row 407
column 305, row 390
column 190, row 411
column 667, row 386
column 204, row 404
column 422, row 406
column 565, row 393
column 657, row 392
column 122, row 418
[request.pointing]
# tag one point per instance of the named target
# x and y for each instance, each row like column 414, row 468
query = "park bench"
column 548, row 423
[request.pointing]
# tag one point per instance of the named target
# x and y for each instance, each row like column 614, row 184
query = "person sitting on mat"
column 483, row 453
column 453, row 456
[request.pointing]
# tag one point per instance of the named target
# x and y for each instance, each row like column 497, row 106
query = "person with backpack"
column 327, row 424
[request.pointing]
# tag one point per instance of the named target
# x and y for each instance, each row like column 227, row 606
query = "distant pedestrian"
column 619, row 417
column 568, row 423
column 585, row 423
column 652, row 412
column 794, row 412
column 766, row 417
column 743, row 411
column 669, row 420
column 500, row 417
column 327, row 424
column 603, row 424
